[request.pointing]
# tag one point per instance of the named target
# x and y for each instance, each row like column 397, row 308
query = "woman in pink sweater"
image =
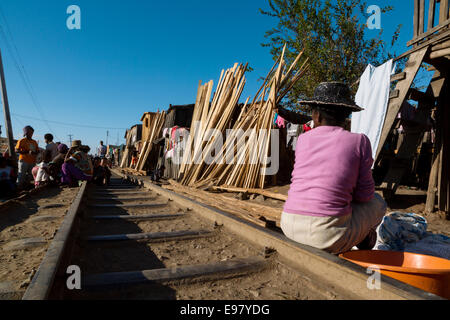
column 332, row 204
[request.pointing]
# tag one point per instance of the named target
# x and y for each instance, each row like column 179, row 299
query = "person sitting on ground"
column 71, row 175
column 7, row 182
column 332, row 204
column 43, row 175
column 12, row 164
column 80, row 152
column 76, row 144
column 28, row 150
column 55, row 165
column 84, row 162
column 51, row 146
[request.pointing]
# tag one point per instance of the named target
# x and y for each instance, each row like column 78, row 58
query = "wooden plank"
column 250, row 211
column 440, row 53
column 121, row 193
column 416, row 18
column 432, row 183
column 434, row 40
column 439, row 46
column 141, row 217
column 421, row 17
column 443, row 11
column 427, row 34
column 145, row 205
column 217, row 270
column 273, row 195
column 394, row 94
column 398, row 76
column 164, row 236
column 118, row 188
column 121, row 199
column 431, row 14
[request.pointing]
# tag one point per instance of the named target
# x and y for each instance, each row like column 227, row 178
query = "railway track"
column 134, row 240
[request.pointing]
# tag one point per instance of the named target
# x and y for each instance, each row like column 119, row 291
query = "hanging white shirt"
column 373, row 96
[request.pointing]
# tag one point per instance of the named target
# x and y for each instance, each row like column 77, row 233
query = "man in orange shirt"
column 28, row 150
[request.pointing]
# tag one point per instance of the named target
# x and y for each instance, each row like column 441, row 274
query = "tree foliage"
column 332, row 35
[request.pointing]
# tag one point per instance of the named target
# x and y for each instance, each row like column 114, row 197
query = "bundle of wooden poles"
column 251, row 131
column 156, row 122
column 208, row 116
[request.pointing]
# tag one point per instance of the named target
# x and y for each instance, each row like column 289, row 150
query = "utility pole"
column 9, row 132
column 107, row 136
column 70, row 138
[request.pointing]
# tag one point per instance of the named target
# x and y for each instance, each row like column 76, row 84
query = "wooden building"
column 4, row 144
column 133, row 136
column 146, row 121
column 431, row 46
column 180, row 115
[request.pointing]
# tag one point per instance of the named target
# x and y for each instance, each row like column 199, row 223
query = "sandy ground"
column 37, row 216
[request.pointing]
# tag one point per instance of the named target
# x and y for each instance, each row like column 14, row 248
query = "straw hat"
column 333, row 95
column 76, row 143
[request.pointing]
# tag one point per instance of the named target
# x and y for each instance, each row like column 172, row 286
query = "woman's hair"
column 333, row 115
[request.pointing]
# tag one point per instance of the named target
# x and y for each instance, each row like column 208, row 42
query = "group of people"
column 57, row 164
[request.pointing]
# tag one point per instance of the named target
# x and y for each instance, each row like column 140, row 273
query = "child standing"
column 42, row 176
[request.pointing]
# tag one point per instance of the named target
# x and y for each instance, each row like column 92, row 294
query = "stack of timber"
column 132, row 136
column 252, row 131
column 260, row 214
column 209, row 118
column 156, row 122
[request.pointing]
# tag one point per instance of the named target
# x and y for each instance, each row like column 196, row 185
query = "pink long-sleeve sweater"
column 332, row 169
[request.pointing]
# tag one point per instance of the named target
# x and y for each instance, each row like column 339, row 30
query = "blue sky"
column 133, row 56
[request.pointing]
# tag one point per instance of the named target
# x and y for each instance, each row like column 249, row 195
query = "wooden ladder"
column 413, row 136
column 399, row 95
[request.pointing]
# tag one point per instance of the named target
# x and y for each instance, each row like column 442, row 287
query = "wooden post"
column 445, row 165
column 434, row 176
column 9, row 132
column 422, row 17
column 431, row 14
column 416, row 18
column 443, row 12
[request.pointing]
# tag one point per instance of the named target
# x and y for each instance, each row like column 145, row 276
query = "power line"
column 21, row 69
column 67, row 124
